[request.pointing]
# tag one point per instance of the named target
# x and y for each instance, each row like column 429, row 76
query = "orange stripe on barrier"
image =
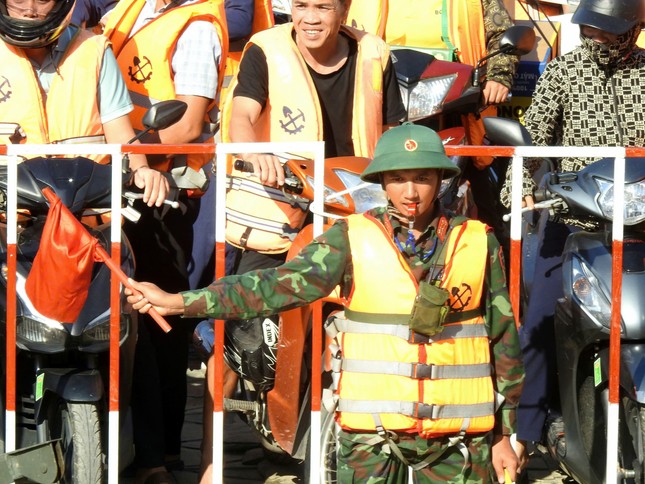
column 316, row 360
column 634, row 152
column 11, row 328
column 614, row 328
column 157, row 149
column 3, row 149
column 218, row 344
column 514, row 278
column 115, row 327
column 465, row 150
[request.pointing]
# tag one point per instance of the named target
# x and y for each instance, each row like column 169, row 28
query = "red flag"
column 61, row 273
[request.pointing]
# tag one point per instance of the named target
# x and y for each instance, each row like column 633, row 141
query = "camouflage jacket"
column 500, row 68
column 326, row 262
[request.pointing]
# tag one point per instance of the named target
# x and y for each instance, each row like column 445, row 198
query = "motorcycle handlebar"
column 243, row 166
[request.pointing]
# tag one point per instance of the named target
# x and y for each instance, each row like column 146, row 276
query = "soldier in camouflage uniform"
column 410, row 162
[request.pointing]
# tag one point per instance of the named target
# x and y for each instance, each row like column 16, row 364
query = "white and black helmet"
column 35, row 33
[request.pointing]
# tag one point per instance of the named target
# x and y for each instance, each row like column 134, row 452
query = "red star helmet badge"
column 410, row 145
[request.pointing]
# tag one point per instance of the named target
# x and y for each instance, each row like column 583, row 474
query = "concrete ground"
column 244, row 461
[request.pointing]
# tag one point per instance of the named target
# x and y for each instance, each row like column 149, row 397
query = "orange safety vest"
column 71, row 110
column 144, row 59
column 422, row 23
column 394, row 379
column 264, row 219
column 287, row 67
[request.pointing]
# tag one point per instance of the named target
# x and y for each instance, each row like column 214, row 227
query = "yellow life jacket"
column 264, row 219
column 424, row 24
column 71, row 111
column 304, row 120
column 262, row 20
column 393, row 378
column 145, row 57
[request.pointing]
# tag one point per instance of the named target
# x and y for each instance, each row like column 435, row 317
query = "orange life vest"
column 71, row 111
column 264, row 219
column 144, row 59
column 423, row 24
column 394, row 379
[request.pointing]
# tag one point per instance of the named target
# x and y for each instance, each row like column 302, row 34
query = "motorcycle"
column 62, row 368
column 438, row 93
column 272, row 355
column 578, row 440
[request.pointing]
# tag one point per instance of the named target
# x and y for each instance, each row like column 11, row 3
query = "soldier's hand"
column 147, row 295
column 504, row 458
column 267, row 168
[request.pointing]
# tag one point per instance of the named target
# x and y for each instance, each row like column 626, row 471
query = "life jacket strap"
column 417, row 370
column 417, row 409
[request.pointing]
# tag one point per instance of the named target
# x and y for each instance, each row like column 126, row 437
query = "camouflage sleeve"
column 505, row 346
column 312, row 274
column 497, row 20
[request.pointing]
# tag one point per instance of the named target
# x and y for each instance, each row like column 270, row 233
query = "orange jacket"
column 437, row 385
column 145, row 57
column 422, row 23
column 71, row 109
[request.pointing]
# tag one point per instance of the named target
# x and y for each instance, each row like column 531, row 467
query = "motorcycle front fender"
column 68, row 384
column 632, row 369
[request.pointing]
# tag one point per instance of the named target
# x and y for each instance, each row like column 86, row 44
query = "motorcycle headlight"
column 426, row 97
column 46, row 336
column 634, row 207
column 96, row 336
column 586, row 288
column 365, row 195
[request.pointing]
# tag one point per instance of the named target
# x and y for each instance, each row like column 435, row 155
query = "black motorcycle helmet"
column 613, row 16
column 30, row 33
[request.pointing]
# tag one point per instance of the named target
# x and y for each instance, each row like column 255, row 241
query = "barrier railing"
column 15, row 152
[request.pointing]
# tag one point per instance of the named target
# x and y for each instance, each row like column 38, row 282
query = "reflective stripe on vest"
column 71, row 109
column 144, row 59
column 458, row 396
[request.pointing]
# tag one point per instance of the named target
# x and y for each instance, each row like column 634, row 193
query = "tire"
column 78, row 427
column 328, row 436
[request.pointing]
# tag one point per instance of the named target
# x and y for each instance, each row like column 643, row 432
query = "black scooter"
column 62, row 368
column 578, row 441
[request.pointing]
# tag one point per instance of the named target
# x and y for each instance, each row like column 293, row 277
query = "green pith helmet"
column 409, row 147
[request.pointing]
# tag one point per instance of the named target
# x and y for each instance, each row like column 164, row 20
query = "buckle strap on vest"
column 417, row 409
column 343, row 325
column 416, row 370
column 188, row 178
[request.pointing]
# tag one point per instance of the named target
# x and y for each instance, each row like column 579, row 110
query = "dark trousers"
column 161, row 241
column 537, row 337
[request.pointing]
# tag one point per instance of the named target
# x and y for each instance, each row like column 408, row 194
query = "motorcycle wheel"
column 328, row 435
column 78, row 427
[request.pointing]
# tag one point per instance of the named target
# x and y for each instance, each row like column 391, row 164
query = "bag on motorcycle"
column 261, row 218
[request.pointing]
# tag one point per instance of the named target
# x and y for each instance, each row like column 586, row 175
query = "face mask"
column 609, row 55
